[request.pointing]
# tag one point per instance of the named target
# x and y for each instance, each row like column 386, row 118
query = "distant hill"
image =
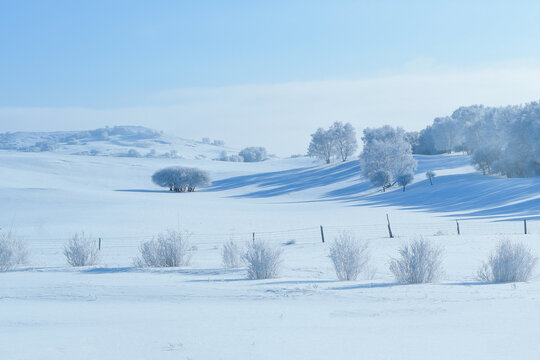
column 123, row 141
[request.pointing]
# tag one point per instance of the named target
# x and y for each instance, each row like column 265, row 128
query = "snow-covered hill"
column 49, row 310
column 120, row 141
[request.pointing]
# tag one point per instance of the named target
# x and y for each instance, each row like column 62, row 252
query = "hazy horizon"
column 260, row 74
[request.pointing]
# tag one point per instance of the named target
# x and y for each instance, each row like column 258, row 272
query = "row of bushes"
column 249, row 154
column 417, row 262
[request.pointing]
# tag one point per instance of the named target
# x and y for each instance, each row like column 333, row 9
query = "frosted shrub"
column 81, row 251
column 230, row 255
column 349, row 256
column 263, row 260
column 253, row 154
column 169, row 249
column 418, row 262
column 508, row 263
column 13, row 251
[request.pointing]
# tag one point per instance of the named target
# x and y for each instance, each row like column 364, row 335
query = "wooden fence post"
column 389, row 228
column 525, row 225
column 99, row 244
column 322, row 234
column 254, row 238
column 457, row 224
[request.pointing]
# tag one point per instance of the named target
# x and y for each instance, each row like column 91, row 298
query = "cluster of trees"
column 338, row 141
column 387, row 157
column 181, row 179
column 502, row 140
column 249, row 154
column 216, row 142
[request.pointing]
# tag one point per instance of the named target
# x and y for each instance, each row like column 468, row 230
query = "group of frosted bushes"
column 181, row 179
column 416, row 262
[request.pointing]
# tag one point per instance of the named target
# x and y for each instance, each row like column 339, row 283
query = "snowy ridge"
column 120, row 141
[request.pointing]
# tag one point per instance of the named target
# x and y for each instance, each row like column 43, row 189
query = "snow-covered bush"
column 13, row 251
column 218, row 142
column 170, row 249
column 508, row 263
column 253, row 154
column 418, row 262
column 232, row 157
column 133, row 153
column 349, row 256
column 81, row 251
column 230, row 254
column 263, row 260
column 181, row 179
column 206, row 140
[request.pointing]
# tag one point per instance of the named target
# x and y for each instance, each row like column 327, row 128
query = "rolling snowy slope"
column 120, row 141
column 115, row 311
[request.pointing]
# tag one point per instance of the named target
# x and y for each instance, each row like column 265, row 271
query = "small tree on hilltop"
column 386, row 151
column 430, row 175
column 322, row 145
column 344, row 138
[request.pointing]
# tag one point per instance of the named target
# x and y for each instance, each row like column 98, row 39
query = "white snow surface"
column 49, row 310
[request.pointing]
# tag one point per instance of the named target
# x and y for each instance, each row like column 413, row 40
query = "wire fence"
column 324, row 233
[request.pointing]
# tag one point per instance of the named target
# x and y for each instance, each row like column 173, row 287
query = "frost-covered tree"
column 425, row 144
column 430, row 175
column 405, row 179
column 484, row 158
column 344, row 139
column 181, row 179
column 253, row 154
column 322, row 145
column 412, row 138
column 386, row 156
column 224, row 156
column 381, row 178
column 502, row 140
column 446, row 133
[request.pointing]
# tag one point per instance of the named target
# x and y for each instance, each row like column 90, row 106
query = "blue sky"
column 110, row 55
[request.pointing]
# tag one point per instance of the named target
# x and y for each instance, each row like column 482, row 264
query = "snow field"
column 49, row 310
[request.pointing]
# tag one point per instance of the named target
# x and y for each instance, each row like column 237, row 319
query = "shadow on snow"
column 470, row 194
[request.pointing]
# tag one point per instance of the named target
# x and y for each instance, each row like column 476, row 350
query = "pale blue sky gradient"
column 117, row 53
column 260, row 72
